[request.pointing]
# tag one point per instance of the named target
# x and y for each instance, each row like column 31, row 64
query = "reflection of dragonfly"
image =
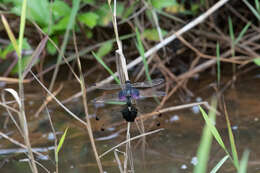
column 129, row 92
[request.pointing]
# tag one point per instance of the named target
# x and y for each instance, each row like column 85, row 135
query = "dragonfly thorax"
column 128, row 93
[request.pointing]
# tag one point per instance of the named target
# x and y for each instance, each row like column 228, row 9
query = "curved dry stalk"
column 131, row 139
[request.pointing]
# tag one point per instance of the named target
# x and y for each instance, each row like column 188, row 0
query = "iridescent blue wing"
column 147, row 84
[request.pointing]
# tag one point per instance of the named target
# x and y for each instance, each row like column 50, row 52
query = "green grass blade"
column 62, row 141
column 220, row 163
column 141, row 51
column 241, row 34
column 232, row 143
column 243, row 162
column 21, row 30
column 204, row 148
column 257, row 6
column 10, row 34
column 213, row 129
column 218, row 63
column 231, row 31
column 106, row 67
column 253, row 10
column 72, row 20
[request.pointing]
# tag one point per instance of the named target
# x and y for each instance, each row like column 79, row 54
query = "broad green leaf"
column 24, row 62
column 257, row 61
column 62, row 24
column 89, row 19
column 50, row 47
column 163, row 3
column 105, row 15
column 10, row 48
column 89, row 1
column 152, row 34
column 37, row 10
column 89, row 33
column 104, row 49
column 60, row 9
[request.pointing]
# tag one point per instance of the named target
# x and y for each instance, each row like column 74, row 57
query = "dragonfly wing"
column 108, row 86
column 107, row 99
column 148, row 94
column 147, row 84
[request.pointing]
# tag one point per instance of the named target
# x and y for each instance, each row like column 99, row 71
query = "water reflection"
column 171, row 150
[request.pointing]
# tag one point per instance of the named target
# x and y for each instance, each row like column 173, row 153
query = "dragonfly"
column 129, row 92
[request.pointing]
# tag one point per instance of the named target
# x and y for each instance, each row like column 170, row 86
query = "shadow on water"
column 171, row 150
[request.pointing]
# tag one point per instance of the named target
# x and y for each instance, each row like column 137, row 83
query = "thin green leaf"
column 60, row 9
column 232, row 143
column 213, row 129
column 104, row 49
column 253, row 10
column 10, row 33
column 141, row 51
column 62, row 140
column 220, row 163
column 257, row 6
column 241, row 34
column 90, row 19
column 243, row 162
column 106, row 67
column 231, row 31
column 204, row 148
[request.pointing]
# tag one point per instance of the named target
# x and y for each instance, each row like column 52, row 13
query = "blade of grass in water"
column 232, row 141
column 75, row 7
column 243, row 162
column 60, row 144
column 213, row 130
column 220, row 163
column 205, row 144
column 106, row 67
